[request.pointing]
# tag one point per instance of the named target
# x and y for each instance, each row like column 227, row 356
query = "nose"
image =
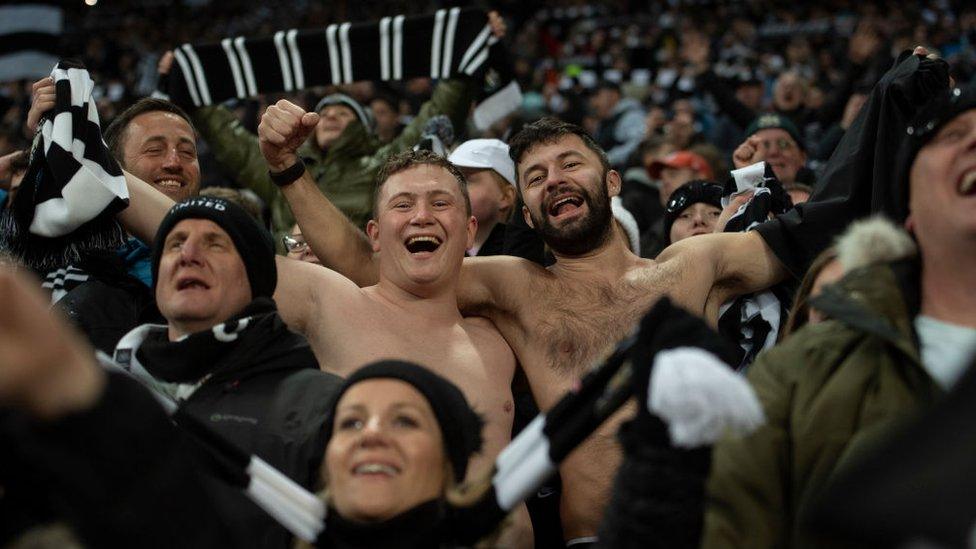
column 372, row 434
column 422, row 214
column 190, row 252
column 171, row 162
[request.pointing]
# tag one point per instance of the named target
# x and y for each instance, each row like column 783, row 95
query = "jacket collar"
column 881, row 300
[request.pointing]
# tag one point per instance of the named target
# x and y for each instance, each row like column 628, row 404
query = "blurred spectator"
column 620, row 122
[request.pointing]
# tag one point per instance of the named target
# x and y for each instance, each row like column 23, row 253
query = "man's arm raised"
column 727, row 264
column 338, row 243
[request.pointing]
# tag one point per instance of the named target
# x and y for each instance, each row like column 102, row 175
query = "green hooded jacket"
column 829, row 392
column 345, row 173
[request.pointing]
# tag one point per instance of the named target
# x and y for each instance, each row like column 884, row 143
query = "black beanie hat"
column 460, row 425
column 252, row 241
column 926, row 123
column 690, row 193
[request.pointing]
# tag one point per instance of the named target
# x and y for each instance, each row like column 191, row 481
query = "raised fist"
column 284, row 127
column 748, row 153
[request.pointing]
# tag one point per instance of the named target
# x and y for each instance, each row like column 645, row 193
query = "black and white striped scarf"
column 73, row 187
column 753, row 321
column 449, row 43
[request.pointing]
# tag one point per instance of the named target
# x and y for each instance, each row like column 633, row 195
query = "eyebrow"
column 560, row 156
column 162, row 138
column 395, row 406
column 414, row 196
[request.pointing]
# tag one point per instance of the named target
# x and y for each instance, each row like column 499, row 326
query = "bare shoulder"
column 306, row 294
column 496, row 283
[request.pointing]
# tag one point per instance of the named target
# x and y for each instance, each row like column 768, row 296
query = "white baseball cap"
column 485, row 153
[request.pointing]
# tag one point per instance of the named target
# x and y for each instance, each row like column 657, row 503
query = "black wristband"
column 288, row 175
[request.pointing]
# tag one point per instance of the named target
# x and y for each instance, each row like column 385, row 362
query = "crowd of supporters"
column 766, row 209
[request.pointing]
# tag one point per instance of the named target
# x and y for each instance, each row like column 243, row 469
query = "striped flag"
column 30, row 35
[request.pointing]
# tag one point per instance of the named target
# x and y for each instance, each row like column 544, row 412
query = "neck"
column 609, row 260
column 947, row 292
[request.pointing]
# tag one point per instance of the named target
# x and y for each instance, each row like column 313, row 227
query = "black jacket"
column 262, row 391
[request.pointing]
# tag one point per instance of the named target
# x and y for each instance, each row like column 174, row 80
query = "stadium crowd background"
column 560, row 52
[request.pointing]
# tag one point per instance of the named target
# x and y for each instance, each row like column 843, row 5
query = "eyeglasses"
column 782, row 144
column 294, row 245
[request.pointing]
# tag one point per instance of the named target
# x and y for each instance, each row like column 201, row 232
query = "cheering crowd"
column 701, row 284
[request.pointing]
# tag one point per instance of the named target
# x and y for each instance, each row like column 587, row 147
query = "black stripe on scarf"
column 206, row 74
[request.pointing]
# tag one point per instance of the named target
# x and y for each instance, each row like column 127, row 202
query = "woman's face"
column 386, row 454
column 832, row 272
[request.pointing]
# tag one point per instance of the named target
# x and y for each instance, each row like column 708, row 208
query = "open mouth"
column 967, row 183
column 191, row 283
column 419, row 244
column 373, row 468
column 564, row 205
column 169, row 183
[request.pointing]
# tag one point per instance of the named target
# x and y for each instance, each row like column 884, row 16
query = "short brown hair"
column 116, row 131
column 408, row 159
column 549, row 130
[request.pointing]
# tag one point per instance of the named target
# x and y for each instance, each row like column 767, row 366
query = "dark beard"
column 581, row 235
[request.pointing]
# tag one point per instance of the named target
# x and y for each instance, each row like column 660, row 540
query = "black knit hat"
column 460, row 425
column 690, row 193
column 363, row 114
column 253, row 242
column 770, row 121
column 924, row 126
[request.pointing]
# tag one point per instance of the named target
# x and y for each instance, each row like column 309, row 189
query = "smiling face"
column 202, row 280
column 333, row 121
column 160, row 149
column 942, row 196
column 567, row 191
column 386, row 454
column 782, row 153
column 422, row 226
column 699, row 218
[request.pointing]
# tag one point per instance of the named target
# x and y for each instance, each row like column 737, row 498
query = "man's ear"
column 527, row 217
column 472, row 229
column 508, row 196
column 373, row 232
column 613, row 182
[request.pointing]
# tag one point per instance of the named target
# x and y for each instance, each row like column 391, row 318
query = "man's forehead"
column 160, row 124
column 198, row 226
column 547, row 150
column 424, row 178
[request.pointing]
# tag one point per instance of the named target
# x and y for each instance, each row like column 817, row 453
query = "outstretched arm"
column 724, row 265
column 338, row 243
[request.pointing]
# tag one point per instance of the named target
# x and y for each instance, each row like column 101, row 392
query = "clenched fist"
column 284, row 127
column 748, row 153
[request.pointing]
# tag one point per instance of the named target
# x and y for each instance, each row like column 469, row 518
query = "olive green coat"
column 829, row 392
column 346, row 172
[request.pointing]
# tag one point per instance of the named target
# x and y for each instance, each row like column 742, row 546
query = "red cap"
column 681, row 159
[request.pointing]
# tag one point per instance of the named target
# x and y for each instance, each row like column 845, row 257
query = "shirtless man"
column 561, row 319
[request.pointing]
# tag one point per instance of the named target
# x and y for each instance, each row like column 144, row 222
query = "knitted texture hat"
column 460, row 425
column 775, row 121
column 252, row 241
column 362, row 113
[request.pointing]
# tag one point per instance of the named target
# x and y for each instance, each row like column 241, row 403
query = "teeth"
column 171, row 183
column 370, row 468
column 423, row 239
column 968, row 181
